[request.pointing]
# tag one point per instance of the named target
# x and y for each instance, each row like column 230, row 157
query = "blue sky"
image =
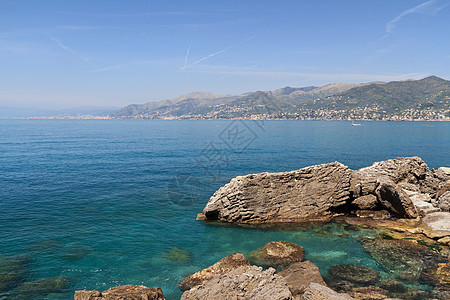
column 58, row 54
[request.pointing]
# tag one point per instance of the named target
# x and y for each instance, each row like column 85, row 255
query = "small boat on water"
column 355, row 124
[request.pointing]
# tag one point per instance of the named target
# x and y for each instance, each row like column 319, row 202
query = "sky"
column 61, row 54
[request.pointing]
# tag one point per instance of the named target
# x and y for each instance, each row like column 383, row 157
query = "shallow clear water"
column 101, row 201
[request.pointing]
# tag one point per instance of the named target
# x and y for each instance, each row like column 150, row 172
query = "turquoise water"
column 103, row 201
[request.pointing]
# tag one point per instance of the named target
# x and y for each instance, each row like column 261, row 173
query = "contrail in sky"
column 216, row 53
column 68, row 49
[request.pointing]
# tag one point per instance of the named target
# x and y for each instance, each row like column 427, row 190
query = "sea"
column 92, row 204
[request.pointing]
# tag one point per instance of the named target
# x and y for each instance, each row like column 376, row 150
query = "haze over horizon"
column 60, row 54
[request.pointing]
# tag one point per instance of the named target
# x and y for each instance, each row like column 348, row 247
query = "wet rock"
column 357, row 274
column 277, row 254
column 299, row 275
column 443, row 273
column 124, row 292
column 373, row 214
column 77, row 253
column 367, row 202
column 316, row 291
column 392, row 285
column 43, row 286
column 13, row 271
column 177, row 254
column 368, row 293
column 221, row 267
column 441, row 293
column 405, row 259
column 316, row 192
column 411, row 294
column 246, row 282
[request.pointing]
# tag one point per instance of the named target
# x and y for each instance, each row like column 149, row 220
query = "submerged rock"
column 317, row 291
column 405, row 259
column 277, row 254
column 221, row 267
column 369, row 293
column 125, row 292
column 246, row 282
column 13, row 271
column 43, row 286
column 392, row 285
column 358, row 275
column 177, row 254
column 299, row 275
column 77, row 253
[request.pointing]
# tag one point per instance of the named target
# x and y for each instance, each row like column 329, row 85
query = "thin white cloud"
column 329, row 77
column 187, row 56
column 109, row 68
column 425, row 7
column 216, row 53
column 68, row 49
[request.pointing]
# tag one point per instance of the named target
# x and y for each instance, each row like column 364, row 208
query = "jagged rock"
column 13, row 271
column 358, row 275
column 443, row 201
column 394, row 199
column 43, row 286
column 277, row 254
column 366, row 202
column 368, row 293
column 441, row 293
column 407, row 260
column 124, row 292
column 443, row 189
column 223, row 266
column 316, row 291
column 299, row 275
column 316, row 192
column 446, row 170
column 411, row 293
column 246, row 282
column 323, row 191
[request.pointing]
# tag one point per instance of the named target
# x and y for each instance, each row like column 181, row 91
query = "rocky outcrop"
column 316, row 291
column 298, row 276
column 128, row 292
column 399, row 188
column 246, row 282
column 315, row 192
column 221, row 267
column 277, row 254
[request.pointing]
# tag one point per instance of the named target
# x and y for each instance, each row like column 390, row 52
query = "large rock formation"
column 128, row 292
column 315, row 192
column 393, row 188
column 221, row 267
column 246, row 282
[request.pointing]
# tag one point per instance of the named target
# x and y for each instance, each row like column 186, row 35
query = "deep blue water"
column 102, row 201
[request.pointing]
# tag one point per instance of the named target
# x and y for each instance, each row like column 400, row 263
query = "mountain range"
column 424, row 99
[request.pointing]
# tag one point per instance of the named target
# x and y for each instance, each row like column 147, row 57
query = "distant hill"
column 409, row 99
column 211, row 106
column 427, row 98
